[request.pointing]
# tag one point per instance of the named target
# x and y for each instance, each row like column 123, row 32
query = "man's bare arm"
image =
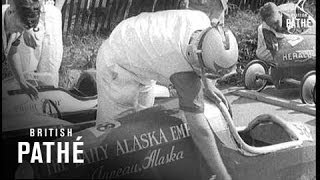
column 189, row 90
column 15, row 64
column 204, row 139
column 14, row 60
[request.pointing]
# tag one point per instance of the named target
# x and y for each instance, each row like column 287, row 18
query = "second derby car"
column 76, row 105
column 294, row 61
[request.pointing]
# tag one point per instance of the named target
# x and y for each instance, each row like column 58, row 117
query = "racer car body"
column 156, row 144
column 70, row 106
column 295, row 58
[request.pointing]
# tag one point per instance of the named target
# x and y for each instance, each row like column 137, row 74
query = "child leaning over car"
column 273, row 27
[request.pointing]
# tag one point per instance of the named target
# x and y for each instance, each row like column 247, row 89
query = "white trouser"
column 119, row 93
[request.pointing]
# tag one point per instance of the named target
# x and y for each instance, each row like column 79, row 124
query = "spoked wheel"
column 51, row 109
column 251, row 81
column 307, row 88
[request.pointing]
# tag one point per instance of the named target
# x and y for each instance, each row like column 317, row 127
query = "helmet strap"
column 204, row 69
column 199, row 49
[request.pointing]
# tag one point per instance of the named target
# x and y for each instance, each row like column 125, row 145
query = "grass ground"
column 79, row 53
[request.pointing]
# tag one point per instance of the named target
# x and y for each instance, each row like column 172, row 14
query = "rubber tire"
column 260, row 67
column 87, row 83
column 307, row 87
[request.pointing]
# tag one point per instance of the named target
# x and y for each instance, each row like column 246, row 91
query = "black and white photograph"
column 159, row 89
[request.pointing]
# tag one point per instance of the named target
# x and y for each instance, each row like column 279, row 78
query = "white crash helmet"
column 215, row 51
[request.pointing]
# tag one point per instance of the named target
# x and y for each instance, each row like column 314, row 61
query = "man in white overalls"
column 32, row 44
column 160, row 47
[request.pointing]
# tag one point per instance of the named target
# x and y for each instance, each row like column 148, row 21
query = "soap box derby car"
column 295, row 61
column 55, row 107
column 156, row 143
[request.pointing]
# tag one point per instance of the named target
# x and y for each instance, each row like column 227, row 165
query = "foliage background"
column 80, row 49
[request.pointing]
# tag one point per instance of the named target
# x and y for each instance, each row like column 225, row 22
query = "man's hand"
column 14, row 60
column 30, row 38
column 29, row 89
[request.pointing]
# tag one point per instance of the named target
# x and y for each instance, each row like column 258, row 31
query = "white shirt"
column 153, row 45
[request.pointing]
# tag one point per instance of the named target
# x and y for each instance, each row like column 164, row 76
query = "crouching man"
column 170, row 47
column 32, row 44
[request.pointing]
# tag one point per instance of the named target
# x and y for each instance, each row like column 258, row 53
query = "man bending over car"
column 170, row 47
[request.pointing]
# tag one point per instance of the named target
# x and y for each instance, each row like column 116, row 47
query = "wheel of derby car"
column 307, row 91
column 51, row 109
column 250, row 73
column 87, row 84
